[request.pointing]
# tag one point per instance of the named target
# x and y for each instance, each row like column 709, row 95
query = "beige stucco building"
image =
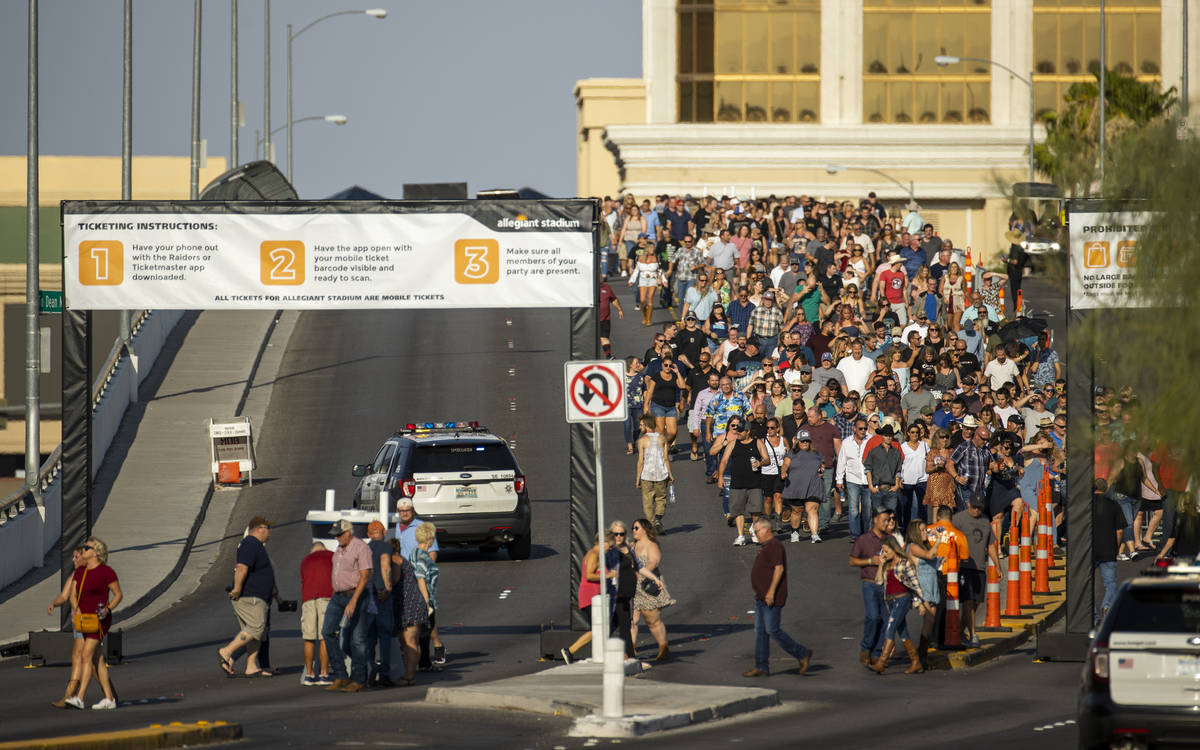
column 759, row 97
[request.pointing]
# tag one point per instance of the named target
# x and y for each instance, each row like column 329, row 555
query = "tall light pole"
column 335, row 119
column 194, row 190
column 267, row 79
column 379, row 13
column 835, row 168
column 127, row 142
column 944, row 60
column 233, row 85
column 33, row 349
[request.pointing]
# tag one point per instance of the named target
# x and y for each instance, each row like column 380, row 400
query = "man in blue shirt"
column 913, row 256
column 738, row 310
column 251, row 594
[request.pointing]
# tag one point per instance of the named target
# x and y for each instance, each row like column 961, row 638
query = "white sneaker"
column 795, row 536
column 740, row 541
column 105, row 705
column 815, row 538
column 75, row 702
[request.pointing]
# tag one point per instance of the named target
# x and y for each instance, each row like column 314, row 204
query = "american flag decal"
column 1124, row 663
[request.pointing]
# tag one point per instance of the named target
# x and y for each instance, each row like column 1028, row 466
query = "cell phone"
column 288, row 605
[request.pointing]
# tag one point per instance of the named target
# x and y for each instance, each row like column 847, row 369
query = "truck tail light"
column 519, row 484
column 408, row 487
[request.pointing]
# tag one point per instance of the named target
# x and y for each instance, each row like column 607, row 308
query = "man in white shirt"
column 856, row 367
column 1001, row 370
column 852, row 478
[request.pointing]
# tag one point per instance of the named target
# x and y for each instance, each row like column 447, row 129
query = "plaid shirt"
column 685, row 259
column 845, row 425
column 972, row 463
column 766, row 321
column 723, row 408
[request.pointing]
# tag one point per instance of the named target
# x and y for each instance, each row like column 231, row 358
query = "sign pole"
column 600, row 530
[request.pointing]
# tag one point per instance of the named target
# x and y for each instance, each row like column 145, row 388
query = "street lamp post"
column 335, row 119
column 379, row 13
column 835, row 168
column 944, row 60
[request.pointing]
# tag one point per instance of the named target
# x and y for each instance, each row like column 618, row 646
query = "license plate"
column 1187, row 666
column 465, row 492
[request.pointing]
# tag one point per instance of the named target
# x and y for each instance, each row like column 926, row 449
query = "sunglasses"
column 618, row 533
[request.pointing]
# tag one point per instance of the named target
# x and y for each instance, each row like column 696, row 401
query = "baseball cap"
column 879, row 510
column 827, row 356
column 978, row 501
column 375, row 526
column 805, row 368
column 768, row 295
column 926, row 411
column 341, row 526
column 689, row 316
column 803, row 435
column 403, row 502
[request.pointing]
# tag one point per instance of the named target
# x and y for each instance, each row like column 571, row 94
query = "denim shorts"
column 658, row 410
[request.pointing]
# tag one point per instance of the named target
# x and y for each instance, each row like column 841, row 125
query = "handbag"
column 651, row 587
column 84, row 622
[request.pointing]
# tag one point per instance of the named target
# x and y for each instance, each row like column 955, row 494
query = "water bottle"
column 670, row 493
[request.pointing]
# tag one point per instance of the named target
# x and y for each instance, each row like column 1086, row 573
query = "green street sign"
column 50, row 302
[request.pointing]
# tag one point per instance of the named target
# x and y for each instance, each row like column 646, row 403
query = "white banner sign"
column 1104, row 250
column 320, row 255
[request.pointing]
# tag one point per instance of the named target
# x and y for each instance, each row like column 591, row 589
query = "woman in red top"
column 96, row 591
column 64, row 598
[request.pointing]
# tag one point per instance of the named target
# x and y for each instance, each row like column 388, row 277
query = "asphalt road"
column 350, row 378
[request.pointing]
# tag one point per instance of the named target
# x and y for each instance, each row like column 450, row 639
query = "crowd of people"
column 831, row 363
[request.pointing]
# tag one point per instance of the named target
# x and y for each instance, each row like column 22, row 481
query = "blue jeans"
column 633, row 420
column 710, row 462
column 1108, row 574
column 330, row 633
column 886, row 499
column 1168, row 522
column 725, row 480
column 1129, row 507
column 962, row 495
column 897, row 623
column 825, row 509
column 379, row 626
column 766, row 627
column 875, row 614
column 911, row 497
column 681, row 287
column 858, row 507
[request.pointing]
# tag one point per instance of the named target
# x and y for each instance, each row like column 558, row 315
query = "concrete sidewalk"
column 576, row 690
column 154, row 489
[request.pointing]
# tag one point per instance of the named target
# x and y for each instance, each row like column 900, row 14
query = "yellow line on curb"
column 175, row 734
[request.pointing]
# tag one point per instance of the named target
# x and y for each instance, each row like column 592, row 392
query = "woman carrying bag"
column 95, row 594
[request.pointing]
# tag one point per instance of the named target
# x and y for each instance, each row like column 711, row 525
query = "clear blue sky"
column 441, row 90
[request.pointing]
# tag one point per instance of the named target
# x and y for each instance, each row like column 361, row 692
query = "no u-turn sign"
column 595, row 391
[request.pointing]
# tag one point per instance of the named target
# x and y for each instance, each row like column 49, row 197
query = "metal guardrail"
column 16, row 503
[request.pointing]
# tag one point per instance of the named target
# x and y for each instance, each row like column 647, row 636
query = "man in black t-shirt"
column 252, row 591
column 690, row 341
column 1108, row 531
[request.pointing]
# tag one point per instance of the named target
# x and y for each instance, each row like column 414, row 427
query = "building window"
column 1066, row 44
column 902, row 83
column 749, row 60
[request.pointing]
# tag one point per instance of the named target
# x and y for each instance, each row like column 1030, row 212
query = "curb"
column 636, row 725
column 175, row 734
column 995, row 645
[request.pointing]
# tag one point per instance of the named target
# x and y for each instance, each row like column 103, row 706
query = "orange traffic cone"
column 1041, row 573
column 1026, row 563
column 1002, row 301
column 991, row 622
column 968, row 273
column 1020, row 303
column 1049, row 494
column 1012, row 594
column 953, row 630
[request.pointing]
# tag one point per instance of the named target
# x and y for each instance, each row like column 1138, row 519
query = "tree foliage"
column 1070, row 153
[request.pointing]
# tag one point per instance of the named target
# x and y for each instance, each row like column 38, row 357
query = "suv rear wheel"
column 520, row 548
